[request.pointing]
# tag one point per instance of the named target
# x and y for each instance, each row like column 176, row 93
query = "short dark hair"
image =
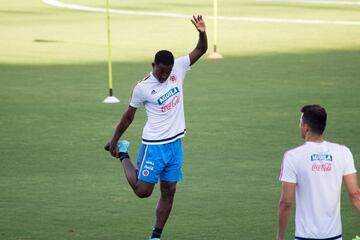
column 165, row 57
column 315, row 116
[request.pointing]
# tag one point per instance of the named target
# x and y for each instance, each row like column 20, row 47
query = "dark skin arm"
column 202, row 44
column 126, row 120
column 129, row 114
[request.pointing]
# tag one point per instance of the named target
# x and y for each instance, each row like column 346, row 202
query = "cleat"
column 123, row 146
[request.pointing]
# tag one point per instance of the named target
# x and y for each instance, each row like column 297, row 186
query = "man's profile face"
column 162, row 71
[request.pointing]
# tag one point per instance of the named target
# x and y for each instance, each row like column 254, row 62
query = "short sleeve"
column 349, row 167
column 183, row 63
column 288, row 171
column 136, row 97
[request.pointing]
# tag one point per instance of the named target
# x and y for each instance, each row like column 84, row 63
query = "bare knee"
column 143, row 194
column 143, row 191
column 168, row 192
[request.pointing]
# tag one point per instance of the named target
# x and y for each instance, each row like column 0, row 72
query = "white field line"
column 325, row 2
column 57, row 3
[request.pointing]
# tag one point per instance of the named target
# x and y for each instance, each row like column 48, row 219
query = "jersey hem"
column 164, row 141
column 331, row 238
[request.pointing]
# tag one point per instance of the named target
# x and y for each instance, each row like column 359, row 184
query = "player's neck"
column 311, row 137
column 155, row 76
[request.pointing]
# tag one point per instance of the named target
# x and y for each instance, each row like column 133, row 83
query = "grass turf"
column 242, row 112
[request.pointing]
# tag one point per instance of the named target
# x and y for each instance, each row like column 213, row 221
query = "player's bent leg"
column 129, row 169
column 143, row 179
column 144, row 189
column 165, row 203
column 130, row 172
column 141, row 188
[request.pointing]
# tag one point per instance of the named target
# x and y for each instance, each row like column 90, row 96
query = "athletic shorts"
column 161, row 161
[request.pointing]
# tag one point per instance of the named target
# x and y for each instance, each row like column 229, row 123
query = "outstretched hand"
column 199, row 23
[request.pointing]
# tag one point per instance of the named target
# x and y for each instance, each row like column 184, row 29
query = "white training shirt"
column 163, row 103
column 317, row 169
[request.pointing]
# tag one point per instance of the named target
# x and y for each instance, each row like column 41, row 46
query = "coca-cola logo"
column 325, row 167
column 168, row 106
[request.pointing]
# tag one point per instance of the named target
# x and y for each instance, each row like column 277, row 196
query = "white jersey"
column 163, row 103
column 317, row 169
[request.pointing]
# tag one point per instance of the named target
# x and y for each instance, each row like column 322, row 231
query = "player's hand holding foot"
column 199, row 23
column 118, row 149
column 113, row 149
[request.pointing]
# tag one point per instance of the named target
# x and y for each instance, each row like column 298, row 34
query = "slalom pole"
column 215, row 54
column 215, row 23
column 110, row 98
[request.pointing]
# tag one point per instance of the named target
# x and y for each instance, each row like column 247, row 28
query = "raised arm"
column 124, row 123
column 202, row 44
column 353, row 190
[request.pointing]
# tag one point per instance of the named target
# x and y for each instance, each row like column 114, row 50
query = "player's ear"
column 153, row 65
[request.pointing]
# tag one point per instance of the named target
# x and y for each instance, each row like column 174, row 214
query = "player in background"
column 314, row 172
column 160, row 154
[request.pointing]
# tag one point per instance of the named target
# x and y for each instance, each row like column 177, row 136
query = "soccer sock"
column 156, row 233
column 123, row 155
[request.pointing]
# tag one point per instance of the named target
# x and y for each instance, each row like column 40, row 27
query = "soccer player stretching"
column 315, row 171
column 160, row 154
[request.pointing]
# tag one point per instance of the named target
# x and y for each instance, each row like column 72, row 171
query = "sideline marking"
column 57, row 3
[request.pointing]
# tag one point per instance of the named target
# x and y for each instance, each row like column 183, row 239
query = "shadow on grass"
column 242, row 113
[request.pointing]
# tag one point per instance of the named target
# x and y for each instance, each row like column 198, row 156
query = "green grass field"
column 242, row 112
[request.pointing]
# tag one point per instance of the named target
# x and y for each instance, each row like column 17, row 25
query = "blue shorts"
column 162, row 161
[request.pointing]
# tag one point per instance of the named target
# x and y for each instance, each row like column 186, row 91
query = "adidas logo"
column 153, row 92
